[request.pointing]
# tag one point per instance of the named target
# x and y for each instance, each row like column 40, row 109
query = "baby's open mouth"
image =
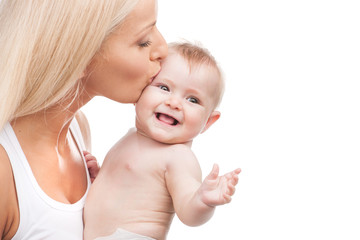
column 166, row 119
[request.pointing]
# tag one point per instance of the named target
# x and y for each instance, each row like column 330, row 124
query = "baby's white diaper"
column 121, row 234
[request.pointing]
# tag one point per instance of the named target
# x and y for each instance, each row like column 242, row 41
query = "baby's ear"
column 215, row 115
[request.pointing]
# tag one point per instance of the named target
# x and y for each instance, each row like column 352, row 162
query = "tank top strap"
column 17, row 159
column 42, row 217
column 26, row 193
column 76, row 132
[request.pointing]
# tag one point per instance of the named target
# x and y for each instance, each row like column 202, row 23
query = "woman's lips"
column 152, row 79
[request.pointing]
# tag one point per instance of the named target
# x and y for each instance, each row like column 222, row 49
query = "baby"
column 151, row 173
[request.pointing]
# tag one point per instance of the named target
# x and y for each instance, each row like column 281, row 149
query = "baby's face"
column 176, row 106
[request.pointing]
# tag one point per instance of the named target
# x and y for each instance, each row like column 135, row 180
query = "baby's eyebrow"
column 196, row 93
column 166, row 80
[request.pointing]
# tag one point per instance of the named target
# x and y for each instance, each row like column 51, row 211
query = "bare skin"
column 141, row 191
column 151, row 173
column 128, row 61
column 10, row 214
column 46, row 151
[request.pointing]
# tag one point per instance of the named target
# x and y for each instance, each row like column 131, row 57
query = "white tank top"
column 41, row 217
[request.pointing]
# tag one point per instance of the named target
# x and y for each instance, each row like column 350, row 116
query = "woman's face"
column 130, row 58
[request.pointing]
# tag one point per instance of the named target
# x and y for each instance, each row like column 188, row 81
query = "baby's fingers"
column 234, row 179
column 227, row 198
column 86, row 153
column 237, row 171
column 92, row 163
column 89, row 157
column 214, row 173
column 230, row 189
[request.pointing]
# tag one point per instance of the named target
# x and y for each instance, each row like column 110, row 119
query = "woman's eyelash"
column 145, row 44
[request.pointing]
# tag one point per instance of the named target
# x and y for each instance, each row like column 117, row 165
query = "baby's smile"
column 167, row 119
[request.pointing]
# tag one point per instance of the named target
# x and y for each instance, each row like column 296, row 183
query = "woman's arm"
column 9, row 211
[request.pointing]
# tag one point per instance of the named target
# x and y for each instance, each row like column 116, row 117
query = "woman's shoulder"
column 6, row 177
column 9, row 217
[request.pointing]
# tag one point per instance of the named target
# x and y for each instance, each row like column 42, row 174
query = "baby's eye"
column 165, row 88
column 193, row 100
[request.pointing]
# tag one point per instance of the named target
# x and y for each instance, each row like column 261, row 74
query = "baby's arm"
column 194, row 201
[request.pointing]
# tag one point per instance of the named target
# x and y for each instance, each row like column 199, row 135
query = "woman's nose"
column 173, row 102
column 160, row 48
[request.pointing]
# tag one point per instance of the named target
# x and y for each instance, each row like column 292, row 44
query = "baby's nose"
column 174, row 102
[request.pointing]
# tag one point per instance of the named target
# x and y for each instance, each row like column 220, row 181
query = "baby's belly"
column 130, row 200
column 142, row 221
column 139, row 212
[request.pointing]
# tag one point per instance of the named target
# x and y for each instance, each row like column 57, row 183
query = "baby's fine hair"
column 46, row 45
column 196, row 55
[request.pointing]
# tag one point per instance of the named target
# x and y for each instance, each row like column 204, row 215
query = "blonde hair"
column 197, row 55
column 46, row 46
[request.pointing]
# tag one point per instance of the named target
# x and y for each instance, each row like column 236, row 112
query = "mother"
column 55, row 57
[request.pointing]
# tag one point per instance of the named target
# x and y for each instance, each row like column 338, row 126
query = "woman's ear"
column 82, row 75
column 215, row 115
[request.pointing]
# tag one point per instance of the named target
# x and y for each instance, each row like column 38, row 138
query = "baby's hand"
column 92, row 165
column 217, row 190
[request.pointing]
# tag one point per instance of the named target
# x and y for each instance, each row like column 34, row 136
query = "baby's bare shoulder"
column 174, row 150
column 179, row 154
column 180, row 148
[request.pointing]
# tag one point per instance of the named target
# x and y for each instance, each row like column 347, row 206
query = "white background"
column 290, row 115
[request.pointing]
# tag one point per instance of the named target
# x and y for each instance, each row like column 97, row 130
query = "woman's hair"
column 197, row 55
column 46, row 46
